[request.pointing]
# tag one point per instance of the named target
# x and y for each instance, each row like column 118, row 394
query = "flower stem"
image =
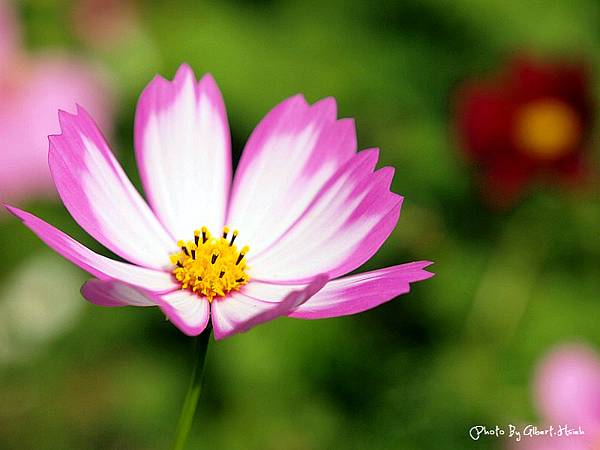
column 193, row 393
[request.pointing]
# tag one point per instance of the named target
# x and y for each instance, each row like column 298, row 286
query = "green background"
column 415, row 373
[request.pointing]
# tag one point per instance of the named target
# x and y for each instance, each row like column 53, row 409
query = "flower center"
column 210, row 266
column 547, row 129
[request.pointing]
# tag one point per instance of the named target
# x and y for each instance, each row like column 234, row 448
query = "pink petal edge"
column 97, row 265
column 30, row 95
column 183, row 150
column 358, row 293
column 343, row 227
column 100, row 197
column 240, row 312
column 291, row 154
column 190, row 313
column 115, row 293
column 186, row 310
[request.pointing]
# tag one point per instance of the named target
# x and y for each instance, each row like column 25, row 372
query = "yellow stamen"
column 210, row 266
column 547, row 129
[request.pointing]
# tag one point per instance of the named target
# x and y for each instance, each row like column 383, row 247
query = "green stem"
column 193, row 394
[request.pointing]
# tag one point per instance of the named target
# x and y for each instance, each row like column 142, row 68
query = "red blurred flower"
column 530, row 122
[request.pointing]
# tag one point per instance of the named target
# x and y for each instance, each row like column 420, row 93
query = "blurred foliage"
column 415, row 373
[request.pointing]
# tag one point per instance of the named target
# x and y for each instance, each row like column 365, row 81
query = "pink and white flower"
column 30, row 88
column 311, row 207
column 567, row 393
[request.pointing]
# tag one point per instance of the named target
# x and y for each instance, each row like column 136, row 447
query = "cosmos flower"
column 30, row 89
column 310, row 208
column 530, row 122
column 567, row 393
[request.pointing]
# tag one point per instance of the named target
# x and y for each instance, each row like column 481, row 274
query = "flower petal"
column 186, row 310
column 568, row 386
column 484, row 120
column 99, row 266
column 100, row 197
column 345, row 225
column 183, row 151
column 289, row 157
column 115, row 293
column 358, row 293
column 240, row 311
column 504, row 180
column 28, row 116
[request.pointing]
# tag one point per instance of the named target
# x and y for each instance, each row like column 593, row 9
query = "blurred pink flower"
column 567, row 392
column 32, row 88
column 313, row 208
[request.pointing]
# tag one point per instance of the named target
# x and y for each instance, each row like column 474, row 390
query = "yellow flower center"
column 547, row 129
column 210, row 266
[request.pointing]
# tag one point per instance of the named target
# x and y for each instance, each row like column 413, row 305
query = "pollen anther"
column 211, row 267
